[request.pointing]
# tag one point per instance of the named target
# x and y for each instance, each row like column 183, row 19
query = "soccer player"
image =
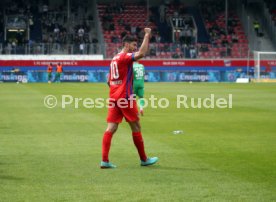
column 139, row 72
column 50, row 71
column 120, row 84
column 59, row 72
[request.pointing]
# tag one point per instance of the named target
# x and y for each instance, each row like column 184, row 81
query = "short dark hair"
column 129, row 39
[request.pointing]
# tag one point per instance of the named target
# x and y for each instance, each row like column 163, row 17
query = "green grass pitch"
column 54, row 154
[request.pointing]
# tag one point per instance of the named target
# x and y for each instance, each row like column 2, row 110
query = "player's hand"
column 147, row 30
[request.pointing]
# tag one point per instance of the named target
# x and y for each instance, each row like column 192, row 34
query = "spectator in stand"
column 141, row 34
column 115, row 39
column 121, row 22
column 224, row 41
column 123, row 34
column 118, row 7
column 82, row 48
column 50, row 39
column 45, row 8
column 235, row 38
column 203, row 48
column 112, row 27
column 152, row 49
column 95, row 44
column 158, row 38
column 228, row 50
column 14, row 45
column 133, row 29
column 56, row 31
column 257, row 27
column 177, row 54
column 231, row 30
column 81, row 33
column 31, row 22
column 193, row 51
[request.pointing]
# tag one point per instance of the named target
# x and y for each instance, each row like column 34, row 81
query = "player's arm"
column 108, row 80
column 144, row 47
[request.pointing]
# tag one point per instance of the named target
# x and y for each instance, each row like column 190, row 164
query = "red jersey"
column 121, row 76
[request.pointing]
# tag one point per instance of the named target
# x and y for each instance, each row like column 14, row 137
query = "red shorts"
column 116, row 112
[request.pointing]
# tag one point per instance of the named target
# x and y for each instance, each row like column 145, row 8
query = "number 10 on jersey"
column 114, row 71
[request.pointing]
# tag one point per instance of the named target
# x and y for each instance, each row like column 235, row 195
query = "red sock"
column 139, row 143
column 106, row 145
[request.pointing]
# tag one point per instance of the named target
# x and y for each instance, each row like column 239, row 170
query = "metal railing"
column 156, row 50
column 182, row 51
column 180, row 27
column 51, row 48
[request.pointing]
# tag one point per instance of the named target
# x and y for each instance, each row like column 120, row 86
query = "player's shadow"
column 167, row 168
column 7, row 177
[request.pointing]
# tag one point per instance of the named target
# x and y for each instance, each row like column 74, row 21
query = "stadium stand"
column 232, row 44
column 51, row 31
column 119, row 20
column 187, row 42
column 202, row 34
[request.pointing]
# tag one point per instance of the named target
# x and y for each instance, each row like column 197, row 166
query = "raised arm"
column 144, row 47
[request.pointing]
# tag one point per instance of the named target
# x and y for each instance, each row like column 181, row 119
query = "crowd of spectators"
column 51, row 23
column 214, row 15
column 22, row 14
column 58, row 29
column 175, row 15
column 118, row 21
column 116, row 25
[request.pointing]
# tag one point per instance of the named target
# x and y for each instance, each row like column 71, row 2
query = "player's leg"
column 107, row 137
column 131, row 116
column 139, row 143
column 135, row 90
column 56, row 76
column 106, row 143
column 138, row 139
column 59, row 75
column 49, row 77
column 140, row 93
column 114, row 117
